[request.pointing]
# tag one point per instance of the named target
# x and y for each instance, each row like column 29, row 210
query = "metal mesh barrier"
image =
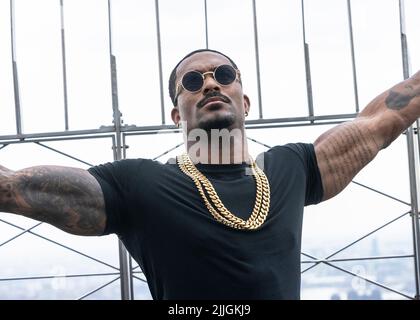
column 288, row 53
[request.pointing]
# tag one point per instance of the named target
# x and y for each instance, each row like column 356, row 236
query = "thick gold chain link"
column 215, row 205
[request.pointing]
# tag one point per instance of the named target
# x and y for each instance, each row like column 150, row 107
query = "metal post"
column 18, row 113
column 307, row 65
column 206, row 24
column 257, row 58
column 418, row 132
column 353, row 61
column 125, row 270
column 159, row 47
column 413, row 161
column 63, row 59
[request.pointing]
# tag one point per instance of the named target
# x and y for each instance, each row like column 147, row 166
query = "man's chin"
column 217, row 122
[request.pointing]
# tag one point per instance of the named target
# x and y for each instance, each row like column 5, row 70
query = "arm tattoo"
column 398, row 100
column 68, row 198
column 345, row 154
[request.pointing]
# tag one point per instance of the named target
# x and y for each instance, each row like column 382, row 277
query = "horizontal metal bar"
column 250, row 123
column 294, row 125
column 134, row 130
column 359, row 259
column 368, row 234
column 171, row 129
column 30, row 140
column 305, row 118
column 59, row 244
column 97, row 289
column 63, row 153
column 102, row 129
column 358, row 183
column 154, row 130
column 61, row 276
column 364, row 278
column 131, row 128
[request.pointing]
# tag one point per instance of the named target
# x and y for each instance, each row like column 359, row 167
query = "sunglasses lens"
column 192, row 81
column 225, row 74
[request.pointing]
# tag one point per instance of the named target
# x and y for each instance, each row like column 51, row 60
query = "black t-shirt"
column 184, row 252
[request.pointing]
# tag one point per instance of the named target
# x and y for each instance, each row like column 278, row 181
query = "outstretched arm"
column 68, row 198
column 345, row 149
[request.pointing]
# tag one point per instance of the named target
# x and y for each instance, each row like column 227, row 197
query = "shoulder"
column 125, row 164
column 127, row 168
column 301, row 152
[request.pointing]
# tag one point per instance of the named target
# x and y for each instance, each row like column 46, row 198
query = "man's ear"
column 247, row 104
column 176, row 118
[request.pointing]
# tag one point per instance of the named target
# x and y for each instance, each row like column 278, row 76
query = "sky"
column 182, row 29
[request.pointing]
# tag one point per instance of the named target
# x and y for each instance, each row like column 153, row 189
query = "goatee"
column 219, row 123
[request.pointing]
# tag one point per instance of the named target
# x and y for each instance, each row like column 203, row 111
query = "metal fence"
column 117, row 134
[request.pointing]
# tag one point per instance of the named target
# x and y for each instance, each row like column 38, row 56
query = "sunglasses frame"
column 203, row 75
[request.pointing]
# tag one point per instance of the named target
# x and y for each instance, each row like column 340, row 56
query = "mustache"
column 213, row 94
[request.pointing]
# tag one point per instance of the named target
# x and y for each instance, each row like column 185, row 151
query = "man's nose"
column 210, row 84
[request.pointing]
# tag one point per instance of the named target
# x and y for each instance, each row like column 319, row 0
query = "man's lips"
column 204, row 102
column 212, row 101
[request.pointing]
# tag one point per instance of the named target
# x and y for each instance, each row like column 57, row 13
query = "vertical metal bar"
column 257, row 58
column 159, row 47
column 418, row 132
column 125, row 271
column 18, row 113
column 414, row 169
column 126, row 279
column 63, row 59
column 307, row 65
column 114, row 87
column 404, row 48
column 206, row 24
column 353, row 60
column 114, row 148
column 125, row 146
column 413, row 161
column 130, row 267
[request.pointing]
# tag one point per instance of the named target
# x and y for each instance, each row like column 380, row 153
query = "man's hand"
column 69, row 198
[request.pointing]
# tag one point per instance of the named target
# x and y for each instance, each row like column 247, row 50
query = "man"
column 214, row 224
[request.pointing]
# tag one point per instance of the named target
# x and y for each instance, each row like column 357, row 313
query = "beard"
column 217, row 122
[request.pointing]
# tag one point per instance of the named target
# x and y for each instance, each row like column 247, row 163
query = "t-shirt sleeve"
column 314, row 188
column 115, row 179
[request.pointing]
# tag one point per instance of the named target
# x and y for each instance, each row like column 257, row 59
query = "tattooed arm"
column 345, row 149
column 68, row 198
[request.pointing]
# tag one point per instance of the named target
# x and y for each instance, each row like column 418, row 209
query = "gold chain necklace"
column 215, row 205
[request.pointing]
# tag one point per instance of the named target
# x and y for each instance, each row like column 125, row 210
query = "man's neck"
column 220, row 147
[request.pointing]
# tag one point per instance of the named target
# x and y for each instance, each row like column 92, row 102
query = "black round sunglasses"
column 193, row 81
